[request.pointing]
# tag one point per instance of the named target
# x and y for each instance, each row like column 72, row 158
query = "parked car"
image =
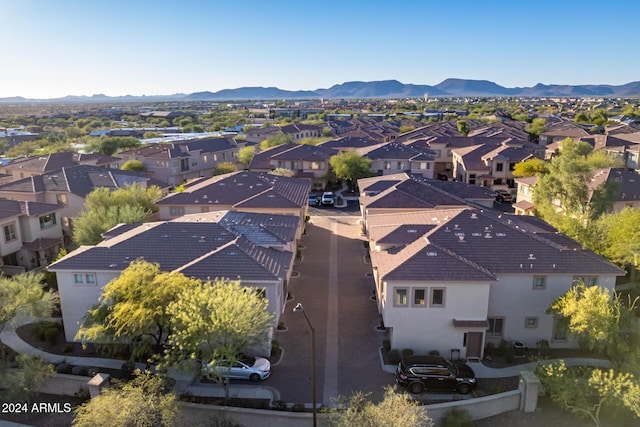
column 327, row 198
column 503, row 196
column 246, row 368
column 313, row 200
column 420, row 373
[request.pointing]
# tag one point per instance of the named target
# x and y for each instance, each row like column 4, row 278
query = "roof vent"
column 412, row 231
column 476, row 234
column 474, row 215
column 432, row 253
column 164, row 236
column 531, row 256
column 554, row 266
column 447, row 230
column 460, row 237
column 455, row 227
column 488, row 235
column 501, row 234
column 530, row 265
column 113, row 265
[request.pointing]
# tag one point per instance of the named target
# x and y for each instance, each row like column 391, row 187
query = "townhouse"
column 257, row 249
column 31, row 235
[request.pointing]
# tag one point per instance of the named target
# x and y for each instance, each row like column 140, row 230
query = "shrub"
column 394, row 356
column 51, row 335
column 280, row 405
column 307, row 218
column 502, row 347
column 281, row 326
column 67, row 348
column 489, row 349
column 456, row 417
column 298, row 254
column 543, row 348
column 434, row 353
column 298, row 407
column 42, row 327
column 407, row 352
column 386, row 344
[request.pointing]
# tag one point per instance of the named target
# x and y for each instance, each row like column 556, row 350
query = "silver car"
column 247, row 368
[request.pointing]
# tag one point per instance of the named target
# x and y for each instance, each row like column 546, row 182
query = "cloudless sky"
column 134, row 47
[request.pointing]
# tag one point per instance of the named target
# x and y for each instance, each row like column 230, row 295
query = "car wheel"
column 464, row 388
column 254, row 377
column 416, row 387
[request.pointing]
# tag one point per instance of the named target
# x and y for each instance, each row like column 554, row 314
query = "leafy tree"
column 282, row 172
column 133, row 165
column 586, row 391
column 105, row 209
column 405, row 128
column 146, row 401
column 19, row 383
column 224, row 167
column 350, row 166
column 395, row 410
column 600, row 322
column 620, row 236
column 23, row 294
column 531, row 167
column 112, row 144
column 245, row 155
column 463, row 127
column 536, row 127
column 215, row 320
column 327, row 132
column 275, row 140
column 133, row 309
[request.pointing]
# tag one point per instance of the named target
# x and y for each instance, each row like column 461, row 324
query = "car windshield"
column 248, row 360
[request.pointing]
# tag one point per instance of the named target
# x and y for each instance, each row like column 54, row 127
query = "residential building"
column 453, row 280
column 297, row 131
column 239, row 191
column 393, row 157
column 304, row 161
column 24, row 167
column 180, row 161
column 257, row 249
column 69, row 186
column 524, row 196
column 31, row 235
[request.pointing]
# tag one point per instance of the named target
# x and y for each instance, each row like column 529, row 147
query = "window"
column 387, row 165
column 539, row 282
column 282, row 164
column 10, row 232
column 560, row 328
column 47, row 221
column 496, row 326
column 400, row 297
column 420, row 297
column 176, row 210
column 587, row 280
column 61, row 199
column 499, row 167
column 204, row 209
column 524, row 189
column 512, row 166
column 530, row 322
column 316, row 165
column 400, row 165
column 77, row 279
column 437, row 297
column 90, row 279
column 472, row 178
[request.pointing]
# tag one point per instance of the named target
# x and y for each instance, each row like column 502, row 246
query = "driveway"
column 334, row 289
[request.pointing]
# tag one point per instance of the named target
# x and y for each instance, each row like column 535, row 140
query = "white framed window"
column 90, row 279
column 387, row 165
column 176, row 210
column 77, row 279
column 560, row 329
column 531, row 322
column 587, row 280
column 10, row 232
column 47, row 221
column 437, row 297
column 400, row 297
column 496, row 326
column 539, row 282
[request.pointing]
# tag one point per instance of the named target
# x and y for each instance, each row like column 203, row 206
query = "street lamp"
column 300, row 309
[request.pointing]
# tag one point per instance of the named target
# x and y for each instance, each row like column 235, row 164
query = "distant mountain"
column 376, row 89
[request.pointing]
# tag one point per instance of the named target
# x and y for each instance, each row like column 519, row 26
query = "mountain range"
column 375, row 89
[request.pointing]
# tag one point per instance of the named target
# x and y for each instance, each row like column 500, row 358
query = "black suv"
column 420, row 373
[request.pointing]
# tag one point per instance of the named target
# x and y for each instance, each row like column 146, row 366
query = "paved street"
column 334, row 290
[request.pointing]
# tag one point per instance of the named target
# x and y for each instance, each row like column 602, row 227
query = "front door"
column 474, row 345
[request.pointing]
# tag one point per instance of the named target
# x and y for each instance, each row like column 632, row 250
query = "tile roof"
column 474, row 244
column 79, row 180
column 183, row 149
column 627, row 182
column 9, row 208
column 55, row 161
column 304, row 152
column 244, row 189
column 411, row 194
column 394, row 150
column 197, row 249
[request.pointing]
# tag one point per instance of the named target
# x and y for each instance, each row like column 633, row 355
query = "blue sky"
column 85, row 47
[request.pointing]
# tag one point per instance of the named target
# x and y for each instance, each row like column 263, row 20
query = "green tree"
column 282, row 172
column 406, row 128
column 20, row 382
column 245, row 155
column 23, row 294
column 133, row 309
column 112, row 144
column 600, row 321
column 350, row 166
column 146, row 401
column 536, row 127
column 531, row 167
column 133, row 165
column 395, row 410
column 327, row 132
column 586, row 391
column 463, row 127
column 224, row 167
column 620, row 236
column 275, row 140
column 105, row 209
column 215, row 320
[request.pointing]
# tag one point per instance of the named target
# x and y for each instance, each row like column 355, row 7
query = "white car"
column 327, row 198
column 246, row 368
